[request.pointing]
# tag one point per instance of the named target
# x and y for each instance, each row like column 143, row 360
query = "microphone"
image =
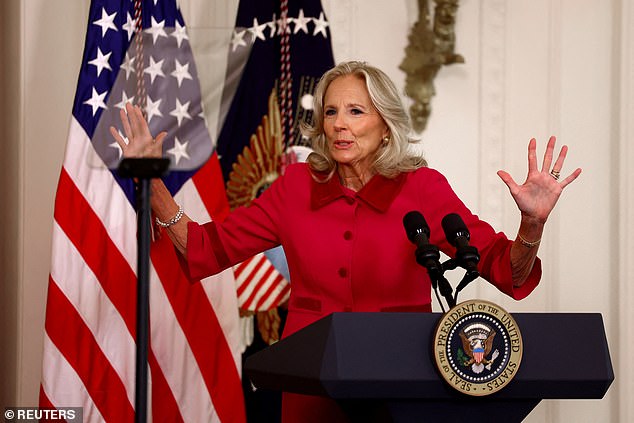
column 458, row 235
column 417, row 230
column 428, row 255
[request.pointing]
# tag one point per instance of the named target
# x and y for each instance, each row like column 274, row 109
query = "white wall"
column 533, row 68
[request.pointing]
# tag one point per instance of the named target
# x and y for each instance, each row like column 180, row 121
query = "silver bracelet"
column 173, row 220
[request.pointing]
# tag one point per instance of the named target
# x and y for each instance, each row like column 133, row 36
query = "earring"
column 386, row 139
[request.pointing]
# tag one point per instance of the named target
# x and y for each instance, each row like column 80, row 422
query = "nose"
column 340, row 122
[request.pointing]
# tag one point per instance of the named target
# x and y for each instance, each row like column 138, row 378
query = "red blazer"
column 348, row 251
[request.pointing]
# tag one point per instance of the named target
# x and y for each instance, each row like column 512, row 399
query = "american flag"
column 89, row 353
column 280, row 48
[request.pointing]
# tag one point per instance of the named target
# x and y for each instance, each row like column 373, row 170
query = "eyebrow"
column 359, row 105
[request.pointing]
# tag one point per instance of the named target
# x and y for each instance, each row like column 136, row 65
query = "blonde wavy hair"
column 394, row 156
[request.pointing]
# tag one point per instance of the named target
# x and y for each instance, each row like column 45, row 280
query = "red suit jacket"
column 346, row 250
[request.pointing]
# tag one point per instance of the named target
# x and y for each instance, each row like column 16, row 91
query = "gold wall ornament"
column 430, row 46
column 259, row 163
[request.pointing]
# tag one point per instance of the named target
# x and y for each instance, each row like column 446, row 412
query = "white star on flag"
column 272, row 26
column 237, row 40
column 157, row 30
column 127, row 65
column 96, row 101
column 180, row 112
column 129, row 26
column 320, row 25
column 258, row 30
column 106, row 22
column 179, row 150
column 181, row 72
column 154, row 69
column 180, row 33
column 101, row 61
column 276, row 26
column 124, row 99
column 301, row 22
column 152, row 108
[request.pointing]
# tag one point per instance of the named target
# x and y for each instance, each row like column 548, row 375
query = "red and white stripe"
column 89, row 354
column 259, row 285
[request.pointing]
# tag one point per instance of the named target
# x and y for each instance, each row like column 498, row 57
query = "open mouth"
column 343, row 143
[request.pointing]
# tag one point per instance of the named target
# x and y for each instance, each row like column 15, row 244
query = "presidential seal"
column 477, row 347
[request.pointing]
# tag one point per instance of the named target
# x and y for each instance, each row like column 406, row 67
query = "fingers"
column 532, row 155
column 559, row 164
column 136, row 140
column 548, row 155
column 127, row 130
column 507, row 179
column 159, row 138
column 117, row 137
column 140, row 124
column 574, row 175
column 134, row 120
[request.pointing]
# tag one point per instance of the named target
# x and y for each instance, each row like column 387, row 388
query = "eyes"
column 354, row 111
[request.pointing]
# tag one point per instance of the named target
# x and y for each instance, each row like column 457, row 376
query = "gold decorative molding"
column 431, row 45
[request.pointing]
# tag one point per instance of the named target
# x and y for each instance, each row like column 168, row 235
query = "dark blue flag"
column 278, row 52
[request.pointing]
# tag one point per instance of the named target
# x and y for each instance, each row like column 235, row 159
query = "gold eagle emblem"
column 258, row 165
column 477, row 343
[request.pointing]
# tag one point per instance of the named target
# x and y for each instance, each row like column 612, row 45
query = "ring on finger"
column 555, row 174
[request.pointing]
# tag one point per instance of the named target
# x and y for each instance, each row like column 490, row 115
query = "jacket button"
column 343, row 272
column 347, row 235
column 350, row 200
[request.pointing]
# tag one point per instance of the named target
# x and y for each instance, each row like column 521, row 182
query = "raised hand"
column 140, row 141
column 537, row 196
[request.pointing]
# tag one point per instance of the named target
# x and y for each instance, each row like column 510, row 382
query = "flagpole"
column 143, row 170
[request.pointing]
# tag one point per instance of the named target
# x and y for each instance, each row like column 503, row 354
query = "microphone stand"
column 428, row 256
column 143, row 170
column 469, row 277
column 446, row 291
column 467, row 257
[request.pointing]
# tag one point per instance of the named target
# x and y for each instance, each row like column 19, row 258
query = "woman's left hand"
column 537, row 196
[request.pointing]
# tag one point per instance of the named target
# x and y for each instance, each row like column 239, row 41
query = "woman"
column 339, row 217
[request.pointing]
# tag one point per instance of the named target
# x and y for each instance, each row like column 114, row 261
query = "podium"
column 379, row 367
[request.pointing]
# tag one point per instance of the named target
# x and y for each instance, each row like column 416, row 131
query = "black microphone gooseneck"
column 467, row 256
column 428, row 255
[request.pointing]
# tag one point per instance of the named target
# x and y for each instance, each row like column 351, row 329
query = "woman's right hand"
column 140, row 141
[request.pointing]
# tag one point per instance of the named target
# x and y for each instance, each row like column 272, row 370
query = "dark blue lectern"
column 379, row 367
